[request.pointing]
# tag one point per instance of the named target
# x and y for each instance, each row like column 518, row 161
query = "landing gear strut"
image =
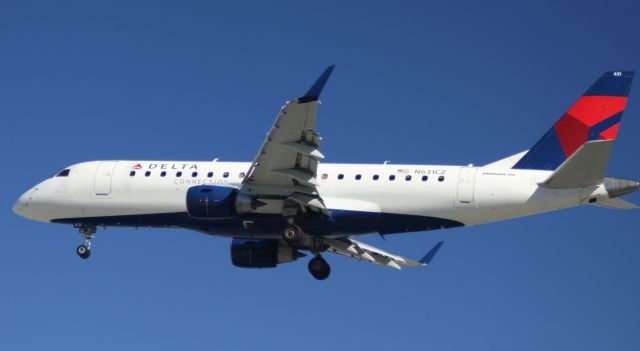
column 319, row 268
column 88, row 232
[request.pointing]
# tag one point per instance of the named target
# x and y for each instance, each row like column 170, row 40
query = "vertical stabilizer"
column 595, row 116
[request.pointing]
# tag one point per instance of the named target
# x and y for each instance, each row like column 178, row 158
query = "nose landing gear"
column 83, row 251
column 88, row 232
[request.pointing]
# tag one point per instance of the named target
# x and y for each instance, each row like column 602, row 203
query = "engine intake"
column 261, row 253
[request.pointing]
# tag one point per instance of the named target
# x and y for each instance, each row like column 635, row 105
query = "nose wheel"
column 83, row 251
column 88, row 232
column 319, row 268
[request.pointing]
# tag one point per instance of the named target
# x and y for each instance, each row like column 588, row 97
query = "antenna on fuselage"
column 386, row 162
column 215, row 160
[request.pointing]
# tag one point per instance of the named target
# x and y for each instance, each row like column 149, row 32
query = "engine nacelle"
column 261, row 253
column 210, row 201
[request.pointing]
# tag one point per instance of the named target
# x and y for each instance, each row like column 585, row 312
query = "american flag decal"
column 403, row 171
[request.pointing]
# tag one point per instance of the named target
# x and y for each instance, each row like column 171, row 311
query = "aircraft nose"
column 22, row 204
column 36, row 204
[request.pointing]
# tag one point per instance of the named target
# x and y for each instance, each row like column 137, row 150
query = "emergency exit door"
column 103, row 178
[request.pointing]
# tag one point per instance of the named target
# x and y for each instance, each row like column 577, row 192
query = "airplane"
column 287, row 200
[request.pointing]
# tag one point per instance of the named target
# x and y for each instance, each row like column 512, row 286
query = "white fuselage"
column 469, row 195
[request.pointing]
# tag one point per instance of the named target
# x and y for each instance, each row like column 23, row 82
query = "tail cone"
column 616, row 187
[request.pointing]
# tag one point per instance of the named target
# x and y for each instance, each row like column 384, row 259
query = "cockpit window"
column 63, row 173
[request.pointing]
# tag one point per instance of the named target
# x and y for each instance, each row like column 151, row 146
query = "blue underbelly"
column 341, row 222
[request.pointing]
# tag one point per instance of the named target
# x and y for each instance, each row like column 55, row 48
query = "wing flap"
column 308, row 200
column 300, row 175
column 307, row 150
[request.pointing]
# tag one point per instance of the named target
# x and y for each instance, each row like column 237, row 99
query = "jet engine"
column 261, row 253
column 206, row 201
column 210, row 201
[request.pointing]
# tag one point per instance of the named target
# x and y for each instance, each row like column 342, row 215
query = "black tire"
column 319, row 268
column 292, row 234
column 83, row 252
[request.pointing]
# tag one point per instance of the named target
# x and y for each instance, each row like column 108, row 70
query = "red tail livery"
column 596, row 115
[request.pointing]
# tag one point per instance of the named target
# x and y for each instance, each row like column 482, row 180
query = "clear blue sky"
column 438, row 82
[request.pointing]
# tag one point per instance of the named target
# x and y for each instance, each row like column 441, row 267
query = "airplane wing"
column 363, row 252
column 287, row 162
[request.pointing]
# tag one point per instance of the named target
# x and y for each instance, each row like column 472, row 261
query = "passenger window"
column 179, row 174
column 194, row 174
column 147, row 173
column 63, row 173
column 325, row 176
column 242, row 174
column 392, row 177
column 132, row 173
column 441, row 178
column 376, row 177
column 358, row 176
column 340, row 176
column 424, row 178
column 225, row 174
column 407, row 178
column 210, row 174
column 163, row 173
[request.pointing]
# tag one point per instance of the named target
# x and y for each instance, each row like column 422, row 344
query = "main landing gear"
column 293, row 234
column 295, row 237
column 88, row 232
column 319, row 268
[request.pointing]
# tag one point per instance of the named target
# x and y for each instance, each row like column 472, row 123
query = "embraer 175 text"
column 287, row 200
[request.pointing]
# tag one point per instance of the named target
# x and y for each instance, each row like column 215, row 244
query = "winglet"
column 429, row 256
column 314, row 92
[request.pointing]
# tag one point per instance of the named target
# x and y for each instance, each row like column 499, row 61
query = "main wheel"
column 83, row 252
column 292, row 234
column 319, row 268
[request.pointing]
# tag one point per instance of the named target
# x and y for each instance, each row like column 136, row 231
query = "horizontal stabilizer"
column 617, row 204
column 585, row 167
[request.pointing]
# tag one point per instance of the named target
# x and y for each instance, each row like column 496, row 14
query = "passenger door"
column 103, row 178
